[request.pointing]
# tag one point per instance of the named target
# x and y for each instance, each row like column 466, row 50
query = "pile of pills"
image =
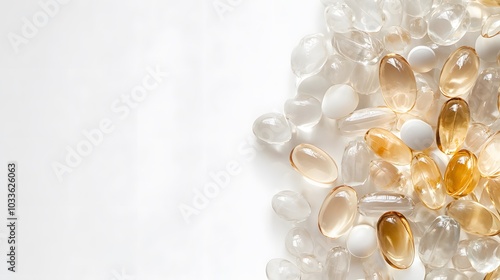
column 413, row 89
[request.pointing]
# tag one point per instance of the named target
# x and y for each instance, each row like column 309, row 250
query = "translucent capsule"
column 417, row 27
column 376, row 204
column 488, row 161
column 355, row 165
column 477, row 134
column 415, row 272
column 358, row 46
column 291, row 206
column 367, row 15
column 281, row 269
column 494, row 275
column 473, row 217
column 314, row 163
column 309, row 55
column 448, row 23
column 388, row 146
column 439, row 242
column 385, row 176
column 362, row 120
column 375, row 270
column 298, row 241
column 427, row 181
column 338, row 212
column 492, row 187
column 396, row 39
column 308, row 263
column 339, row 101
column 418, row 8
column 453, row 122
column 459, row 72
column 483, row 99
column 477, row 15
column 395, row 240
column 446, row 273
column 338, row 69
column 491, row 26
column 303, row 110
column 397, row 83
column 370, row 82
column 362, row 241
column 491, row 3
column 393, row 12
column 272, row 128
column 338, row 262
column 460, row 260
column 483, row 254
column 461, row 175
column 339, row 17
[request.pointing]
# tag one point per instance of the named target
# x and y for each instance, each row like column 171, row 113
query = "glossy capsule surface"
column 338, row 212
column 427, row 181
column 489, row 158
column 388, row 146
column 473, row 217
column 395, row 240
column 461, row 175
column 385, row 176
column 492, row 188
column 459, row 72
column 453, row 123
column 378, row 203
column 439, row 242
column 397, row 83
column 362, row 120
column 314, row 163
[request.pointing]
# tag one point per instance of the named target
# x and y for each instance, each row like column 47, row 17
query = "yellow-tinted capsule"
column 338, row 212
column 459, row 72
column 491, row 3
column 395, row 240
column 388, row 146
column 314, row 163
column 493, row 189
column 473, row 217
column 461, row 175
column 494, row 275
column 453, row 123
column 427, row 181
column 488, row 161
column 397, row 83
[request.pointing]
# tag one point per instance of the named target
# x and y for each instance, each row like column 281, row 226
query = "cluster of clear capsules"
column 412, row 87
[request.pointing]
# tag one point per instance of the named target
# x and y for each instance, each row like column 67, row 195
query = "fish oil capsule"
column 439, row 242
column 388, row 146
column 459, row 72
column 338, row 262
column 448, row 23
column 376, row 204
column 473, row 217
column 385, row 176
column 427, row 181
column 492, row 188
column 488, row 161
column 397, row 83
column 338, row 211
column 461, row 175
column 362, row 120
column 314, row 163
column 477, row 134
column 453, row 123
column 395, row 240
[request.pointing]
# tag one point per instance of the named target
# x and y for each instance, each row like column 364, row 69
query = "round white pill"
column 488, row 48
column 362, row 241
column 417, row 134
column 339, row 101
column 422, row 59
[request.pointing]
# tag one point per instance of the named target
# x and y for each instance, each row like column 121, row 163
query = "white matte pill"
column 422, row 59
column 417, row 134
column 339, row 101
column 488, row 49
column 362, row 241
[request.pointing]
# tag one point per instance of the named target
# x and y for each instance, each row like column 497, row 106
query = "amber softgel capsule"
column 314, row 163
column 388, row 146
column 338, row 212
column 427, row 181
column 395, row 240
column 473, row 217
column 453, row 123
column 397, row 83
column 459, row 72
column 461, row 175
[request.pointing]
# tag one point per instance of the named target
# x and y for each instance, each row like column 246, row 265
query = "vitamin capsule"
column 362, row 120
column 338, row 17
column 418, row 8
column 477, row 14
column 355, row 165
column 422, row 59
column 362, row 241
column 338, row 262
column 446, row 273
column 491, row 3
column 370, row 83
column 281, row 269
column 272, row 128
column 483, row 98
column 396, row 39
column 338, row 211
column 417, row 134
column 367, row 15
column 482, row 254
column 385, row 176
column 460, row 260
column 378, row 203
column 448, row 23
column 417, row 27
column 303, row 110
column 427, row 181
column 339, row 101
column 338, row 69
column 494, row 275
column 415, row 272
column 298, row 241
column 439, row 242
column 314, row 163
column 488, row 161
column 291, row 206
column 491, row 26
column 459, row 72
column 375, row 269
column 397, row 83
column 308, row 263
column 461, row 175
column 453, row 123
column 477, row 134
column 473, row 217
column 309, row 55
column 388, row 146
column 493, row 190
column 395, row 240
column 358, row 46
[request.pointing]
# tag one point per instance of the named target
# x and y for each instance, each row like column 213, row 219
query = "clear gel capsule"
column 338, row 262
column 477, row 134
column 388, row 146
column 376, row 204
column 459, row 72
column 314, row 163
column 395, row 240
column 488, row 161
column 473, row 217
column 308, row 263
column 393, row 12
column 446, row 273
column 427, row 181
column 439, row 242
column 358, row 46
column 370, row 83
column 461, row 175
column 338, row 212
column 298, row 241
column 338, row 69
column 492, row 188
column 303, row 110
column 491, row 26
column 483, row 98
column 385, row 176
column 355, row 165
column 339, row 17
column 396, row 39
column 477, row 14
column 367, row 15
column 397, row 83
column 272, row 128
column 448, row 23
column 453, row 123
column 418, row 8
column 460, row 260
column 309, row 55
column 417, row 27
column 291, row 206
column 281, row 269
column 361, row 120
column 483, row 254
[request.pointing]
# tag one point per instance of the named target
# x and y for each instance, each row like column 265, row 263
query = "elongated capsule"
column 477, row 134
column 459, row 72
column 461, row 175
column 314, row 163
column 427, row 181
column 473, row 217
column 488, row 161
column 439, row 242
column 395, row 240
column 483, row 98
column 355, row 165
column 388, row 146
column 378, row 203
column 361, row 120
column 397, row 83
column 338, row 212
column 453, row 123
column 492, row 188
column 338, row 262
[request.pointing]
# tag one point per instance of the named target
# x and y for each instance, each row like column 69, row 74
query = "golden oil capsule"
column 388, row 146
column 314, row 163
column 427, row 181
column 453, row 123
column 491, row 3
column 473, row 217
column 493, row 189
column 494, row 275
column 461, row 175
column 459, row 72
column 338, row 212
column 488, row 161
column 395, row 240
column 397, row 83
